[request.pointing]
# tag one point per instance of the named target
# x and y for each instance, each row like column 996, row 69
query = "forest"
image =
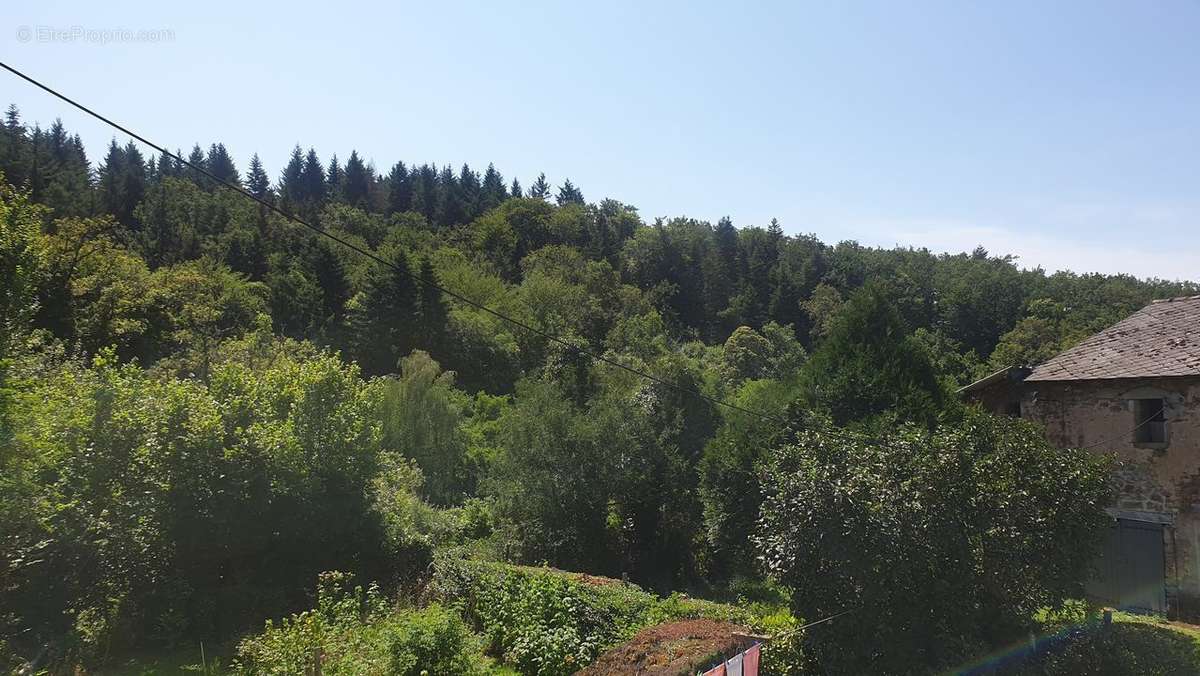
column 212, row 417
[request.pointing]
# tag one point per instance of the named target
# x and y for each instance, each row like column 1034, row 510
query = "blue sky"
column 1067, row 133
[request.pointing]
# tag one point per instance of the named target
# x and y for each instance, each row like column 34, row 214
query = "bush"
column 352, row 631
column 548, row 622
column 943, row 544
column 139, row 487
column 1121, row 649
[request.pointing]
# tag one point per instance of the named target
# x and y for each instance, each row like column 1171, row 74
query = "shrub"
column 944, row 544
column 1121, row 649
column 547, row 622
column 352, row 631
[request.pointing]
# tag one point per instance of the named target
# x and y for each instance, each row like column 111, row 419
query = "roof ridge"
column 1147, row 343
column 1174, row 300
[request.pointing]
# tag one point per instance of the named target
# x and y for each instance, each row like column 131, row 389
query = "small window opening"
column 1150, row 417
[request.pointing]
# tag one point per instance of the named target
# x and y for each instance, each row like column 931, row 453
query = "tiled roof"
column 1161, row 339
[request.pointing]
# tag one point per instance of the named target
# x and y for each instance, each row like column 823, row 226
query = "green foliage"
column 353, row 631
column 730, row 484
column 868, row 364
column 22, row 252
column 941, row 543
column 1124, row 649
column 138, row 529
column 547, row 622
column 148, row 409
column 422, row 420
column 750, row 355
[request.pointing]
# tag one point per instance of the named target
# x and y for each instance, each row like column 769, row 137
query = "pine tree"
column 312, row 180
column 775, row 230
column 469, row 191
column 220, row 164
column 134, row 183
column 66, row 176
column 399, row 189
column 36, row 184
column 493, row 192
column 384, row 317
column 291, row 188
column 196, row 159
column 449, row 210
column 256, row 179
column 540, row 190
column 515, row 190
column 569, row 194
column 109, row 176
column 357, row 185
column 332, row 278
column 434, row 313
column 14, row 155
column 334, row 178
column 425, row 192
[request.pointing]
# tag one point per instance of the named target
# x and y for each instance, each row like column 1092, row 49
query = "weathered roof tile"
column 1161, row 339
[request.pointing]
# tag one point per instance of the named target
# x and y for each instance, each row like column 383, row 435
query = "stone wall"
column 1162, row 478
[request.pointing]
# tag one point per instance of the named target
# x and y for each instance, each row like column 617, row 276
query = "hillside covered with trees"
column 204, row 407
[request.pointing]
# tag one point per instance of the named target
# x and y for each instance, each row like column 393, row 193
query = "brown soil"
column 669, row 649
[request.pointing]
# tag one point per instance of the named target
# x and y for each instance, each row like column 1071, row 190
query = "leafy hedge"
column 550, row 623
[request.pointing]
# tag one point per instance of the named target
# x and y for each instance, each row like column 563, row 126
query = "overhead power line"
column 388, row 264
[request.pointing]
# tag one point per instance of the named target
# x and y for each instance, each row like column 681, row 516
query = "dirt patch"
column 668, row 649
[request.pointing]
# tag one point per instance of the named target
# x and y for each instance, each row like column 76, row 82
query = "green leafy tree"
column 868, row 365
column 942, row 546
column 422, row 419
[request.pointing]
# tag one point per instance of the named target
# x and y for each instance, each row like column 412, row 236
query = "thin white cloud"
column 1143, row 252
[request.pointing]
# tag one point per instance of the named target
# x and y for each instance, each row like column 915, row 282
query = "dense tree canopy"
column 176, row 359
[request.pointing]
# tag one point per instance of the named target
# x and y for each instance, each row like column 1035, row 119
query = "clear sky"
column 1067, row 133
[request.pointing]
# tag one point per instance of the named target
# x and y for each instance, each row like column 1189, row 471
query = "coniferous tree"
column 335, row 178
column 469, row 192
column 256, row 179
column 449, row 209
column 515, row 190
column 332, row 278
column 869, row 365
column 540, row 190
column 14, row 155
column 425, row 192
column 196, row 159
column 492, row 193
column 399, row 190
column 569, row 194
column 312, row 180
column 110, row 174
column 291, row 188
column 220, row 164
column 434, row 313
column 357, row 183
column 383, row 318
column 65, row 178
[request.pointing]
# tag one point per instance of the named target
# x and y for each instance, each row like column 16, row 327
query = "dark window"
column 1150, row 418
column 1014, row 409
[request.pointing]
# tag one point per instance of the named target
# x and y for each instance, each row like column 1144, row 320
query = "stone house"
column 1132, row 390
